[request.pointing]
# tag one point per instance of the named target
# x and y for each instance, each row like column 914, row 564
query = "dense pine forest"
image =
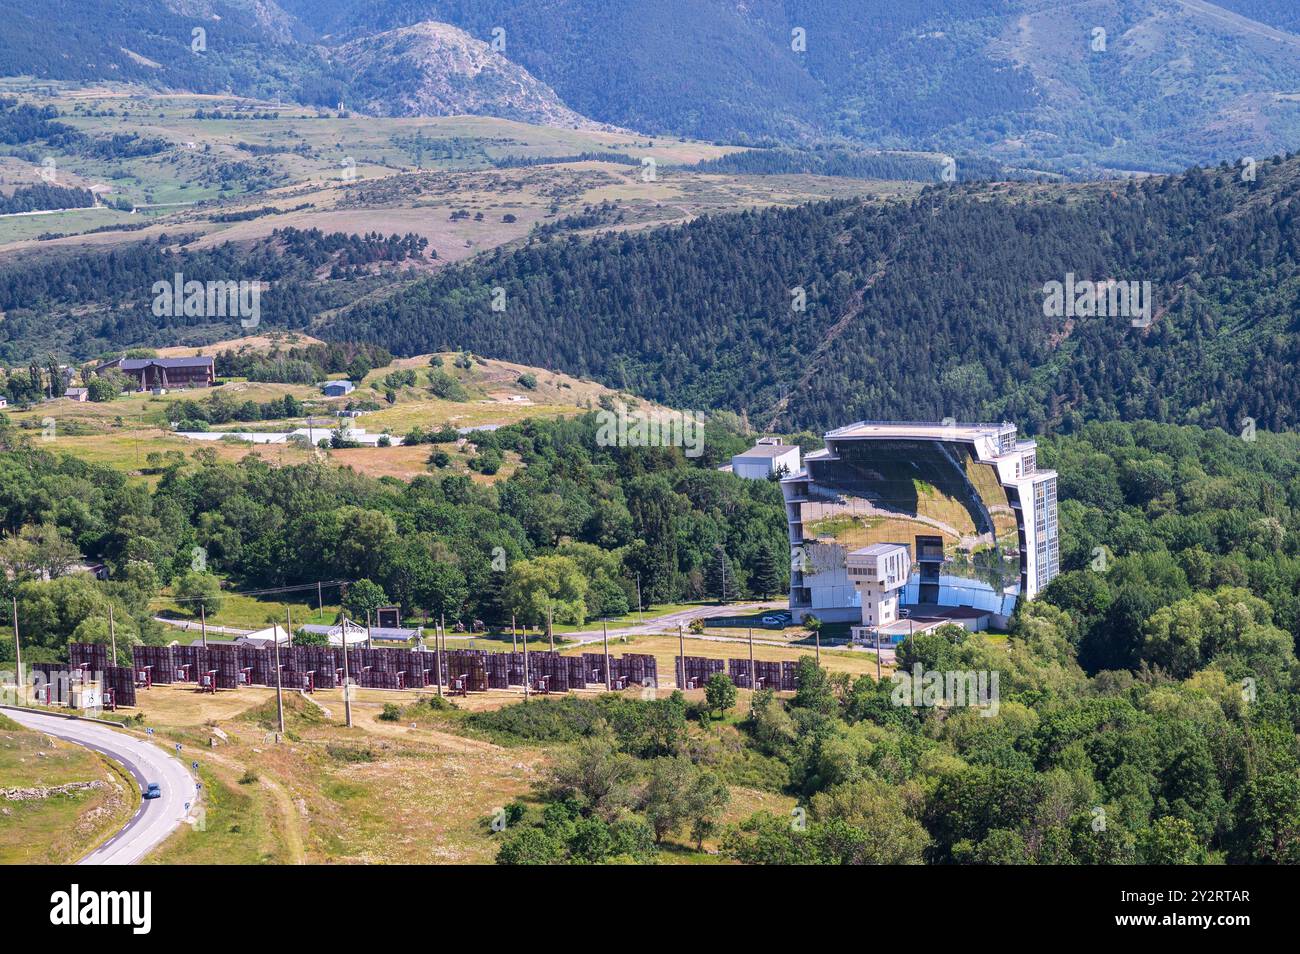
column 46, row 297
column 34, row 198
column 830, row 161
column 926, row 309
column 798, row 318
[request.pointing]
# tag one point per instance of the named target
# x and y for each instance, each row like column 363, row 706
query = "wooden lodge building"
column 150, row 373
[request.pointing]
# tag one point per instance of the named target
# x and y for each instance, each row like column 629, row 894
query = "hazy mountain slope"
column 914, row 310
column 1168, row 83
column 1179, row 81
column 247, row 46
column 696, row 67
column 1085, row 86
column 1283, row 14
column 435, row 69
column 257, row 48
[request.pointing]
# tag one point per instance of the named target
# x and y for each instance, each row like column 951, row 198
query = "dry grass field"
column 665, row 650
column 380, row 792
column 375, row 793
column 319, row 169
column 123, row 433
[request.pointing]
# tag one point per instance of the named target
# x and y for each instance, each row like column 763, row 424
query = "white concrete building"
column 358, row 435
column 980, row 515
column 354, row 633
column 769, row 456
column 263, row 638
column 879, row 573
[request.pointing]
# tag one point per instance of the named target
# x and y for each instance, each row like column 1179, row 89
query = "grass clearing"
column 62, row 826
column 236, row 826
column 412, row 796
column 254, row 612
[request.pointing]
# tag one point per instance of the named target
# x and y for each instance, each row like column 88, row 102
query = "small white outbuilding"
column 769, row 456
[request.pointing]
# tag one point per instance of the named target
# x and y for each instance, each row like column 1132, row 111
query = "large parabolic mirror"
column 954, row 512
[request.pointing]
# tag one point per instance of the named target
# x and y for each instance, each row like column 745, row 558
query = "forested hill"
column 929, row 308
column 1119, row 84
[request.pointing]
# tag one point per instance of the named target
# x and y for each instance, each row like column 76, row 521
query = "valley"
column 568, row 433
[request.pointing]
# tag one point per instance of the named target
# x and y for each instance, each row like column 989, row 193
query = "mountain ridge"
column 436, row 69
column 1088, row 89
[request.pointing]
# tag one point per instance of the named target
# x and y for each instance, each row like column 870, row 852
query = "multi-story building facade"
column 150, row 373
column 967, row 501
column 879, row 573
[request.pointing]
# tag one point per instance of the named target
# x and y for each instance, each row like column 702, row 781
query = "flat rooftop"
column 936, row 611
column 912, row 627
column 768, row 450
column 932, row 430
column 879, row 549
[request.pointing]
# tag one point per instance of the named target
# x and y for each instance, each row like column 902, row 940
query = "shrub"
column 720, row 693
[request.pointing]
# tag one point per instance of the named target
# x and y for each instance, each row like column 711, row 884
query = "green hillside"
column 923, row 309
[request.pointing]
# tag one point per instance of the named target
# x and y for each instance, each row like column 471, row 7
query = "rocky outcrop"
column 435, row 69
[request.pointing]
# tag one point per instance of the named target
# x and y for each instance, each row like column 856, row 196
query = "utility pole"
column 681, row 650
column 752, row 681
column 640, row 618
column 604, row 626
column 550, row 633
column 320, row 601
column 817, row 643
column 347, row 674
column 279, row 686
column 18, row 653
column 437, row 657
column 526, row 683
column 203, row 623
column 445, row 661
column 514, row 637
column 442, row 622
column 369, row 643
column 112, row 635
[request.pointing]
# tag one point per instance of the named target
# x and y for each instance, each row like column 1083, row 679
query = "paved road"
column 198, row 627
column 156, row 818
column 668, row 623
column 653, row 624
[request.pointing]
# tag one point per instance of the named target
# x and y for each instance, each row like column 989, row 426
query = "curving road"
column 668, row 623
column 156, row 818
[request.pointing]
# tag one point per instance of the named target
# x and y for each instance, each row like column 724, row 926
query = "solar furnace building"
column 976, row 515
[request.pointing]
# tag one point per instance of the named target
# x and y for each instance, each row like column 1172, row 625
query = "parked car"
column 153, row 791
column 775, row 620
